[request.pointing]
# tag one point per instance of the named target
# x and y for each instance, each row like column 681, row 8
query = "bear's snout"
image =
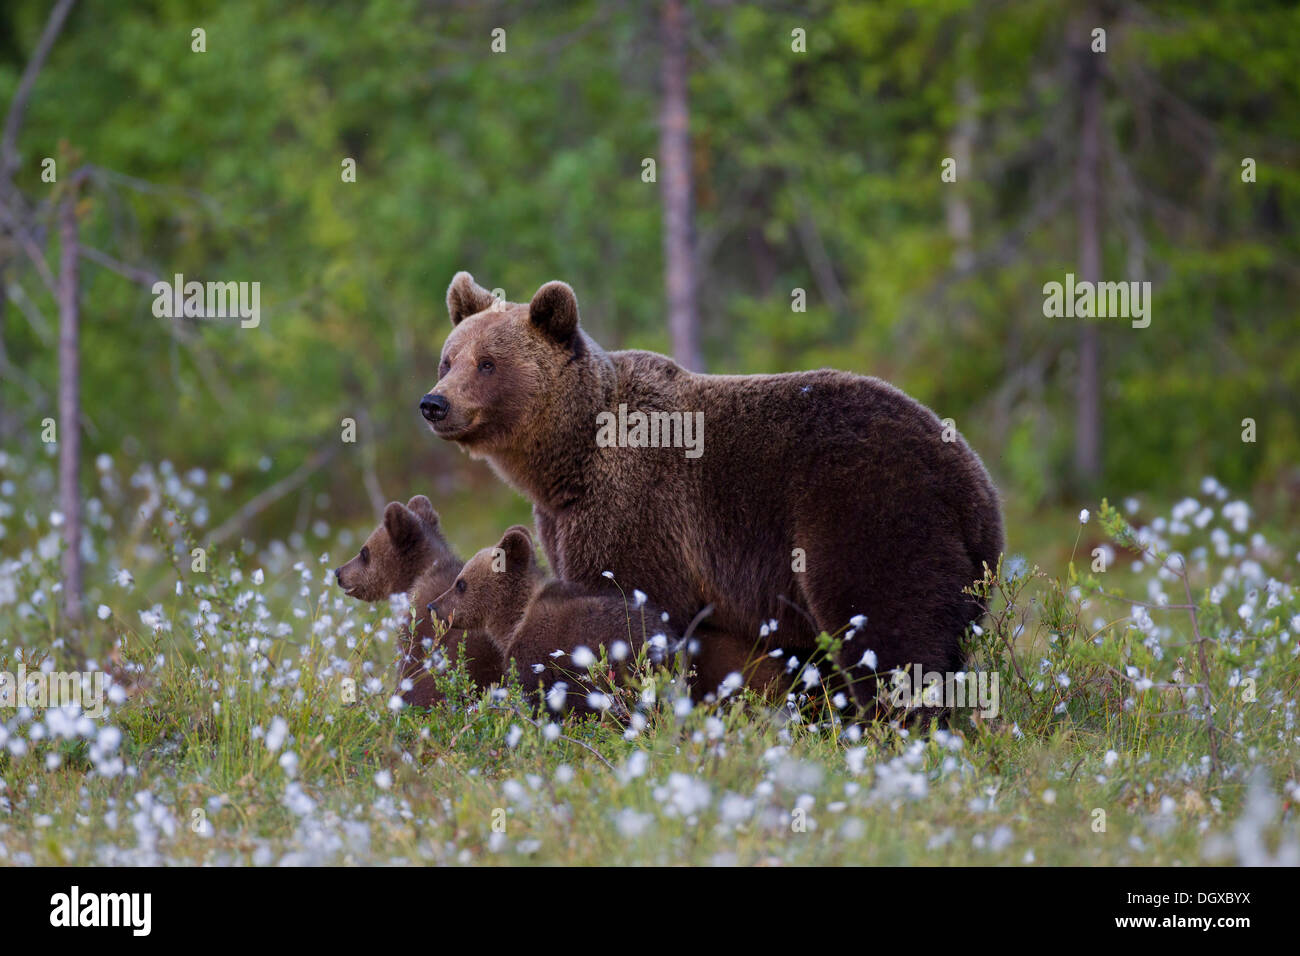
column 434, row 407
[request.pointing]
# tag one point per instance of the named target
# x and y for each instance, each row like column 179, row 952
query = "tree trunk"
column 1087, row 434
column 69, row 405
column 961, row 146
column 675, row 181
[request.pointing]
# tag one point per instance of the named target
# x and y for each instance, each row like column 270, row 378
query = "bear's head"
column 509, row 371
column 492, row 590
column 404, row 546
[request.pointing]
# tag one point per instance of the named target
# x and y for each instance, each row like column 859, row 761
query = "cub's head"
column 396, row 553
column 504, row 364
column 493, row 587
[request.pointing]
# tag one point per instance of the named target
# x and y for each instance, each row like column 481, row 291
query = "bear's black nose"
column 338, row 576
column 434, row 407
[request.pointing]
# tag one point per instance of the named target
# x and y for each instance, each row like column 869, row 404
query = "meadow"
column 1147, row 672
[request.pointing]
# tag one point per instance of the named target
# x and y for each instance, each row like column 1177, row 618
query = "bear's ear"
column 554, row 310
column 402, row 526
column 517, row 544
column 422, row 508
column 465, row 297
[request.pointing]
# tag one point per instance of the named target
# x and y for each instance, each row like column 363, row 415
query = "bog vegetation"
column 1146, row 714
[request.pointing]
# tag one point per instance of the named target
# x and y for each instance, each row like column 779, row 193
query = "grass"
column 252, row 721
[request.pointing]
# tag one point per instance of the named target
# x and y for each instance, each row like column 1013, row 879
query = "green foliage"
column 817, row 171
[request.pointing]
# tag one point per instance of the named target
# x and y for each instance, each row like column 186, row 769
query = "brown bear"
column 542, row 625
column 821, row 501
column 407, row 553
column 716, row 658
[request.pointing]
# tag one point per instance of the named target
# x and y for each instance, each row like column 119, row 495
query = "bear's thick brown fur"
column 503, row 592
column 408, row 554
column 820, row 498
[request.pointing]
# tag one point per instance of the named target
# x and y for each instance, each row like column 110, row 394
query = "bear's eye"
column 460, row 585
column 486, row 365
column 365, row 555
column 443, row 368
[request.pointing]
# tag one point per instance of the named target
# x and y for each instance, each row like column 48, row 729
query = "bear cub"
column 408, row 553
column 503, row 591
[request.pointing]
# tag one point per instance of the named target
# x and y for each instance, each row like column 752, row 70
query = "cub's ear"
column 517, row 544
column 554, row 310
column 422, row 508
column 402, row 526
column 465, row 297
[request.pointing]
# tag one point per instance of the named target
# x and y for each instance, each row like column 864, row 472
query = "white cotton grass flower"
column 632, row 824
column 583, row 658
column 868, row 659
column 556, row 695
column 384, row 779
column 638, row 597
column 730, row 684
column 858, row 621
column 1084, row 515
column 607, row 574
column 275, row 737
column 513, row 736
column 619, row 650
column 103, row 612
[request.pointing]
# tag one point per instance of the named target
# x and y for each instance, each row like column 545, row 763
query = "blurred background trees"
column 814, row 163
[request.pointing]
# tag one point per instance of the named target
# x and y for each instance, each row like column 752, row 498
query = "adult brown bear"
column 810, row 499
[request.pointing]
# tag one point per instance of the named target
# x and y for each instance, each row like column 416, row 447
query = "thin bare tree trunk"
column 961, row 145
column 369, row 473
column 18, row 106
column 70, row 404
column 269, row 496
column 1087, row 433
column 675, row 173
